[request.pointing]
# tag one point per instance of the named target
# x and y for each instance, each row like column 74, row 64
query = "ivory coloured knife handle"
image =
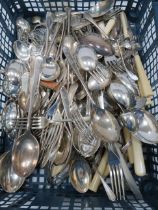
column 101, row 168
column 57, row 169
column 107, row 171
column 127, row 137
column 108, row 27
column 139, row 164
column 144, row 83
column 125, row 26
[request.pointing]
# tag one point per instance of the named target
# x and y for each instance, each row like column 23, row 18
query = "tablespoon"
column 101, row 46
column 147, row 127
column 80, row 175
column 119, row 93
column 105, row 125
column 12, row 82
column 23, row 28
column 87, row 58
column 26, row 148
column 23, row 24
column 130, row 84
column 9, row 180
column 129, row 121
column 9, row 114
column 22, row 50
column 69, row 40
column 50, row 68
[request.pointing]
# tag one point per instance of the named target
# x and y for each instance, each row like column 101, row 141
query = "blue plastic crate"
column 37, row 193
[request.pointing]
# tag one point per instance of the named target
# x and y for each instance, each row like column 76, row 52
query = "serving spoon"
column 26, row 148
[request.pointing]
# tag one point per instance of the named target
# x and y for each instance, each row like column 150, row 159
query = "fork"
column 99, row 74
column 116, row 174
column 79, row 122
column 39, row 122
column 81, row 125
column 76, row 117
column 50, row 141
column 118, row 64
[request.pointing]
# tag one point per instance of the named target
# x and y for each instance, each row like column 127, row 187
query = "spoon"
column 24, row 94
column 64, row 150
column 129, row 121
column 22, row 50
column 69, row 41
column 80, row 175
column 148, row 127
column 101, row 46
column 119, row 93
column 23, row 101
column 9, row 114
column 50, row 68
column 12, row 80
column 87, row 58
column 26, row 148
column 101, row 8
column 125, row 80
column 105, row 125
column 9, row 180
column 23, row 27
column 23, row 24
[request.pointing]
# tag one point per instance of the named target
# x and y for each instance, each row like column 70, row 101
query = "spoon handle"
column 56, row 30
column 33, row 87
column 68, row 12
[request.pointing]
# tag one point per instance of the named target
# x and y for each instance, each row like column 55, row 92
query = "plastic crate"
column 37, row 193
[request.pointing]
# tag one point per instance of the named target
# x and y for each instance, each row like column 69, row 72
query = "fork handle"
column 33, row 87
column 139, row 165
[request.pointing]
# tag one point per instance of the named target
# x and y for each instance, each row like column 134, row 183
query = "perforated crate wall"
column 37, row 193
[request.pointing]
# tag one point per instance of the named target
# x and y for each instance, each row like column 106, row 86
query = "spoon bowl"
column 12, row 81
column 25, row 154
column 23, row 101
column 101, row 46
column 9, row 180
column 86, row 57
column 22, row 50
column 80, row 175
column 9, row 115
column 119, row 93
column 148, row 126
column 129, row 121
column 23, row 24
column 50, row 69
column 105, row 125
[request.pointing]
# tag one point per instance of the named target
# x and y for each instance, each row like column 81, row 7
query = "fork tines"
column 81, row 125
column 116, row 175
